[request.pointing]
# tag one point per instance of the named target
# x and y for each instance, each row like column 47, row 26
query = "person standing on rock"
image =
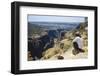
column 77, row 44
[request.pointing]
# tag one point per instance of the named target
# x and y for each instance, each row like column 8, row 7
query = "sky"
column 42, row 18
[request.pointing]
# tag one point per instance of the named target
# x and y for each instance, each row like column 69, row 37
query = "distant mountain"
column 33, row 28
column 38, row 27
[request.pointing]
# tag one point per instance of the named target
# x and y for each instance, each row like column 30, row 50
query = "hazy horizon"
column 59, row 19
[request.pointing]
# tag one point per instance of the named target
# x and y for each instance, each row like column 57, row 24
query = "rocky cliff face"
column 66, row 51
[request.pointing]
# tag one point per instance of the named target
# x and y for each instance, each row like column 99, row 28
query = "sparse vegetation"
column 67, row 41
column 53, row 52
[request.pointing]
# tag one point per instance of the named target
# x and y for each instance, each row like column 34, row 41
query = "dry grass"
column 67, row 41
column 51, row 53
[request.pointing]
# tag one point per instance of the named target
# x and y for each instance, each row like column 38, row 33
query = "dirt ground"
column 68, row 55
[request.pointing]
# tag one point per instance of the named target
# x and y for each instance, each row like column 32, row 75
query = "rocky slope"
column 66, row 52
